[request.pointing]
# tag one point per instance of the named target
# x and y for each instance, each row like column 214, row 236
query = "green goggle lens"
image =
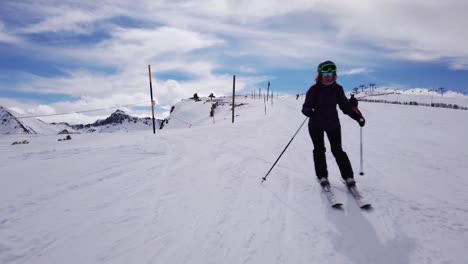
column 328, row 68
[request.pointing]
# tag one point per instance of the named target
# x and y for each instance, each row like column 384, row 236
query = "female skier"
column 320, row 106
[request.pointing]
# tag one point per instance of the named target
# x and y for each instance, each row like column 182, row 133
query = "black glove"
column 308, row 111
column 361, row 121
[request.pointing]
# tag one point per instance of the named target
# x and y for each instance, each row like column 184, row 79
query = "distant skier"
column 195, row 97
column 213, row 105
column 320, row 106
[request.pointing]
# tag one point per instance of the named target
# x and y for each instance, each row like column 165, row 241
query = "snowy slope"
column 197, row 113
column 43, row 128
column 193, row 194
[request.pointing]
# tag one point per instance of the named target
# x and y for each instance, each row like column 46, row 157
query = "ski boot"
column 324, row 182
column 350, row 182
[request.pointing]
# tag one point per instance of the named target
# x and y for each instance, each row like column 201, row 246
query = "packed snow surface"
column 191, row 193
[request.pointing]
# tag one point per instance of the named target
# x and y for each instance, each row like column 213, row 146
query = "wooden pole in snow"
column 233, row 95
column 152, row 101
column 268, row 91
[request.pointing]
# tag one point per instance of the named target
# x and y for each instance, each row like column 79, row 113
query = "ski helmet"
column 326, row 66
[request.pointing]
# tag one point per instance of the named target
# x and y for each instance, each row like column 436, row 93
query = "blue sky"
column 63, row 56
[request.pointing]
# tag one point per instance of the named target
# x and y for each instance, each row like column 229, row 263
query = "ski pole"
column 264, row 178
column 362, row 161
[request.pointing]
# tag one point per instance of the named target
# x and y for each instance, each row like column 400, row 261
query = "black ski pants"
column 334, row 137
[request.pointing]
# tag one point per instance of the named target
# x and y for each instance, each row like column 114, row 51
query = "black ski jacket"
column 320, row 106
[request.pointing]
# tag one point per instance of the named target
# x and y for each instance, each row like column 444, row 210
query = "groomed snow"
column 192, row 193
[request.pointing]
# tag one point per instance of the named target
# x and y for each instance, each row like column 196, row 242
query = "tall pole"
column 233, row 95
column 152, row 101
column 268, row 90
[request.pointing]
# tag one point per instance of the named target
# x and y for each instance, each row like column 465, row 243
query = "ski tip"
column 366, row 207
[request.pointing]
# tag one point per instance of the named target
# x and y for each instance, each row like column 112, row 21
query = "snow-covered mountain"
column 11, row 125
column 418, row 95
column 117, row 121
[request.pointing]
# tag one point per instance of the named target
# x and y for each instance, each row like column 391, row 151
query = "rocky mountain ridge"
column 117, row 121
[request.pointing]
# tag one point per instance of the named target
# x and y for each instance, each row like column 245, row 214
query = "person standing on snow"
column 320, row 106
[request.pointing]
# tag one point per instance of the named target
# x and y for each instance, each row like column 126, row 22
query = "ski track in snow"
column 193, row 195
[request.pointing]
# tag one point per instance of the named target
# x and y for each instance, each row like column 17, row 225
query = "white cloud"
column 271, row 30
column 355, row 71
column 247, row 69
column 7, row 37
column 411, row 30
column 44, row 110
column 192, row 68
column 52, row 16
column 301, row 27
column 129, row 47
column 459, row 64
column 74, row 21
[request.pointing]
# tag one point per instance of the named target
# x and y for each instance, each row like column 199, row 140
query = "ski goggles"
column 327, row 68
column 327, row 74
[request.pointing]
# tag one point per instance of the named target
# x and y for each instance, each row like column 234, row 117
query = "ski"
column 331, row 197
column 361, row 202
